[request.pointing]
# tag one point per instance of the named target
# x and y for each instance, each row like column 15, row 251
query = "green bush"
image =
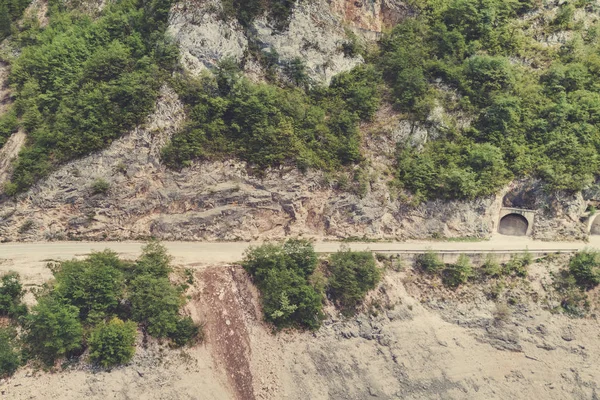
column 11, row 295
column 429, row 262
column 458, row 273
column 10, row 12
column 536, row 120
column 268, row 126
column 352, row 275
column 81, row 82
column 154, row 261
column 517, row 265
column 491, row 267
column 585, row 268
column 53, row 330
column 10, row 357
column 186, row 332
column 113, row 343
column 94, row 285
column 282, row 274
column 100, row 186
column 155, row 304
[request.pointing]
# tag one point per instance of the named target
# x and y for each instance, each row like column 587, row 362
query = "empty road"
column 30, row 259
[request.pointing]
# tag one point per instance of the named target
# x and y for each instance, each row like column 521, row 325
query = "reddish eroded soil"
column 227, row 310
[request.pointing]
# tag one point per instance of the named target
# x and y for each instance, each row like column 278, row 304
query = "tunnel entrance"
column 595, row 229
column 514, row 225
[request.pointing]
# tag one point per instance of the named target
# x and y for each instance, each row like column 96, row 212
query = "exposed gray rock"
column 203, row 37
column 314, row 36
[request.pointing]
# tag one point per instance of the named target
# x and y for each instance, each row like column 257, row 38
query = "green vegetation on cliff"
column 514, row 106
column 98, row 302
column 80, row 83
column 534, row 109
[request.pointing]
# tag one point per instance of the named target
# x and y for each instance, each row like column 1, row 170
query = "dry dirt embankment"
column 413, row 340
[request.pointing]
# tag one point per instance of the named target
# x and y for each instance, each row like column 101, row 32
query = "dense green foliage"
column 517, row 265
column 352, row 275
column 267, row 125
column 81, row 83
column 95, row 285
column 537, row 118
column 282, row 273
column 10, row 357
column 10, row 11
column 155, row 304
column 11, row 296
column 113, row 343
column 53, row 330
column 94, row 302
column 585, row 268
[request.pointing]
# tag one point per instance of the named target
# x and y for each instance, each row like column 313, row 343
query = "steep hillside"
column 413, row 340
column 229, row 120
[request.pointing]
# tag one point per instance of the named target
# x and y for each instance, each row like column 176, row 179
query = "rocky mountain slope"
column 413, row 340
column 221, row 200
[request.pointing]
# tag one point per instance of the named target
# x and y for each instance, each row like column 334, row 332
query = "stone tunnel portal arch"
column 514, row 225
column 595, row 228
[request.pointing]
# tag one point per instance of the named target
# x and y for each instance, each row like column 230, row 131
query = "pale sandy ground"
column 426, row 343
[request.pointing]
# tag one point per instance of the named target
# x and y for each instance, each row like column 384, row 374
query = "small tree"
column 459, row 272
column 113, row 343
column 429, row 262
column 353, row 274
column 491, row 267
column 585, row 268
column 94, row 286
column 186, row 332
column 155, row 304
column 53, row 330
column 283, row 275
column 154, row 260
column 11, row 294
column 9, row 355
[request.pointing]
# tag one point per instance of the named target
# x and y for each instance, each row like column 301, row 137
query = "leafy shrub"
column 517, row 265
column 113, row 343
column 100, row 186
column 94, row 285
column 429, row 262
column 585, row 268
column 10, row 358
column 282, row 273
column 11, row 295
column 491, row 267
column 84, row 82
column 154, row 261
column 155, row 304
column 186, row 332
column 10, row 12
column 525, row 123
column 53, row 330
column 267, row 126
column 352, row 275
column 458, row 273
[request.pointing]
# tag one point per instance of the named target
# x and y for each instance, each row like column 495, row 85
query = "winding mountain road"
column 31, row 258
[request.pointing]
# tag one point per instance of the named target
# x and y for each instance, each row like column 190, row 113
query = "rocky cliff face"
column 315, row 36
column 221, row 200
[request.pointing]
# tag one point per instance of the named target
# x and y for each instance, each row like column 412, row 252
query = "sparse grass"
column 26, row 227
column 100, row 186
